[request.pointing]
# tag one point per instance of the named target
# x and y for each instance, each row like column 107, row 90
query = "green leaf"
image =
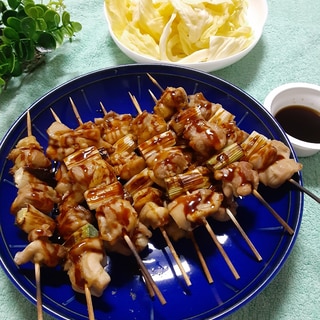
column 2, row 83
column 46, row 42
column 2, row 6
column 68, row 31
column 25, row 49
column 32, row 11
column 41, row 24
column 65, row 18
column 40, row 11
column 58, row 35
column 43, row 7
column 6, row 50
column 11, row 34
column 14, row 23
column 52, row 19
column 16, row 68
column 14, row 4
column 76, row 26
column 28, row 25
column 21, row 13
column 6, row 15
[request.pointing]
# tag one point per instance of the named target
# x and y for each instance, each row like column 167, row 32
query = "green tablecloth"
column 289, row 51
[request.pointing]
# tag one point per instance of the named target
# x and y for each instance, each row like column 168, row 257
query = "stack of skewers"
column 121, row 177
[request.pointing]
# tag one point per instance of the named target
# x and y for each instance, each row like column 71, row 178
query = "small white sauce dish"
column 296, row 94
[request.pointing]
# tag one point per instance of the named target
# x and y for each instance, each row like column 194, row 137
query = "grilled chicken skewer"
column 71, row 265
column 37, row 265
column 163, row 231
column 151, row 285
column 34, row 194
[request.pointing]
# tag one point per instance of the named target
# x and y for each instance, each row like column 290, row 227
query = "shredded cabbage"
column 181, row 30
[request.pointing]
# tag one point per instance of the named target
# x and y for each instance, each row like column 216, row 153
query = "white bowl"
column 296, row 94
column 257, row 16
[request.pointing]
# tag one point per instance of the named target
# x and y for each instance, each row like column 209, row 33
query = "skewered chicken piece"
column 28, row 154
column 146, row 125
column 125, row 161
column 64, row 141
column 86, row 260
column 86, row 254
column 238, row 179
column 113, row 126
column 171, row 101
column 32, row 191
column 39, row 227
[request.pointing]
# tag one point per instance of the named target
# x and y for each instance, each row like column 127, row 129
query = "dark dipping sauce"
column 300, row 122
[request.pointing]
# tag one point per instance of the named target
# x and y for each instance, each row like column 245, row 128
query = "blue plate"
column 126, row 297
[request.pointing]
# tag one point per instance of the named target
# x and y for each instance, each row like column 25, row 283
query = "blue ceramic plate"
column 127, row 297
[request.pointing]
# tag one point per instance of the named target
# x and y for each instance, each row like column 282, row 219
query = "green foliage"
column 29, row 30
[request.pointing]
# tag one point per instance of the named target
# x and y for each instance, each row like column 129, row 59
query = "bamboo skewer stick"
column 303, row 189
column 75, row 110
column 201, row 258
column 38, row 291
column 55, row 116
column 135, row 103
column 104, row 110
column 36, row 265
column 155, row 82
column 145, row 271
column 220, row 248
column 244, row 235
column 154, row 98
column 175, row 256
column 29, row 125
column 273, row 212
column 89, row 302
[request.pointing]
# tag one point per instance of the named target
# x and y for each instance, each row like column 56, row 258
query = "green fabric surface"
column 289, row 51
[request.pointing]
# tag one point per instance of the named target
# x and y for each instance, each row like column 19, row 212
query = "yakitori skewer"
column 151, row 285
column 86, row 288
column 163, row 231
column 36, row 265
